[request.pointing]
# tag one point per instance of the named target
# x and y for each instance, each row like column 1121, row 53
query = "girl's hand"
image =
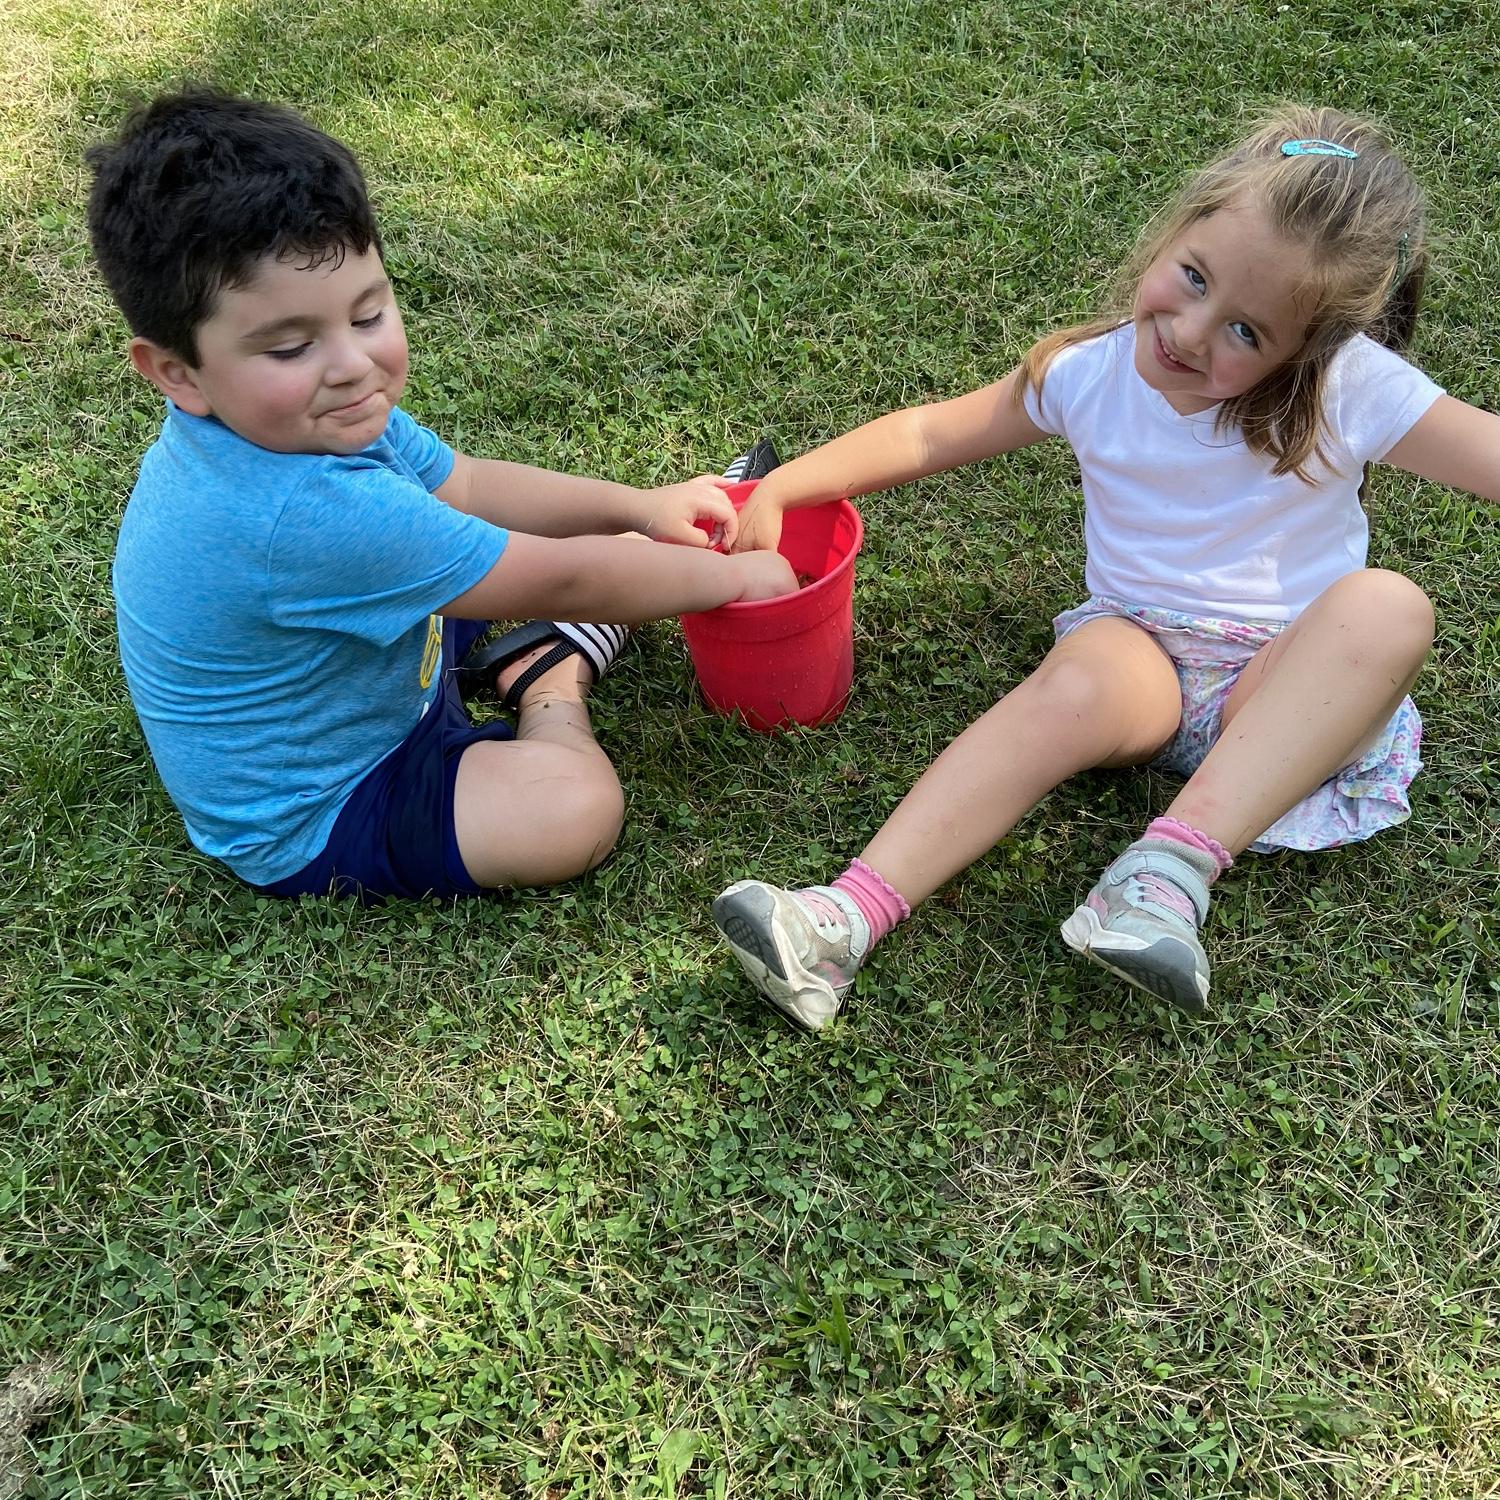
column 760, row 525
column 671, row 513
column 764, row 575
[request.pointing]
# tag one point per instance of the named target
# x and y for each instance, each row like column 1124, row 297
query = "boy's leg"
column 1305, row 706
column 1105, row 695
column 546, row 806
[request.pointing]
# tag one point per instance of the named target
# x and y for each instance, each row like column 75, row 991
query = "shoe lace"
column 830, row 921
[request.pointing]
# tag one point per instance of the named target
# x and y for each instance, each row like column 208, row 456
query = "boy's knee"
column 585, row 819
column 598, row 815
column 551, row 824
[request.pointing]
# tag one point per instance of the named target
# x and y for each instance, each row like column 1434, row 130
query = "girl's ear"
column 172, row 375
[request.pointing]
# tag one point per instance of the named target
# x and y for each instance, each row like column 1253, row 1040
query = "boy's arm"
column 616, row 580
column 1455, row 444
column 891, row 450
column 542, row 502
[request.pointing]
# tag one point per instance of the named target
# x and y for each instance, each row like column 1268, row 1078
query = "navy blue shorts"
column 394, row 836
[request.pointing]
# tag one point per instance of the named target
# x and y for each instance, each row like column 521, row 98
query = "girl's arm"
column 1455, row 444
column 891, row 450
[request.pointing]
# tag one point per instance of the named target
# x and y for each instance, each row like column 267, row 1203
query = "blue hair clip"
column 1317, row 148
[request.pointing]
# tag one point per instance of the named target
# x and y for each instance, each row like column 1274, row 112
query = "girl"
column 1222, row 413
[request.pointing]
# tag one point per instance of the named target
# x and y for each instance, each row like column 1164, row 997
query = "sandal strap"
column 544, row 663
column 477, row 672
column 599, row 645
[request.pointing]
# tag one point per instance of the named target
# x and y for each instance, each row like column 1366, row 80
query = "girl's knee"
column 1390, row 605
column 1071, row 688
column 1143, row 714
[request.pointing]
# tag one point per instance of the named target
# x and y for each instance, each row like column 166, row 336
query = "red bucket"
column 788, row 660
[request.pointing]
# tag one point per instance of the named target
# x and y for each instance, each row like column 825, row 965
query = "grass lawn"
column 528, row 1197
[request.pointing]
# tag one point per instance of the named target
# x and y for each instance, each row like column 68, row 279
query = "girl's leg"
column 1304, row 707
column 1105, row 695
column 544, row 807
column 1308, row 704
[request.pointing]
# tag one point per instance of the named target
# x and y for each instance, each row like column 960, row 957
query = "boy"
column 301, row 566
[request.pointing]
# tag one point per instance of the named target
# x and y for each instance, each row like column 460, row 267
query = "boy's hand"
column 672, row 513
column 765, row 575
column 760, row 525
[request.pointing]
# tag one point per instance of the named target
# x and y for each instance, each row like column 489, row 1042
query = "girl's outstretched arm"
column 891, row 450
column 1455, row 444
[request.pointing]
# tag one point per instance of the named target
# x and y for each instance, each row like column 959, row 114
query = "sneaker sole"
column 1177, row 980
column 747, row 918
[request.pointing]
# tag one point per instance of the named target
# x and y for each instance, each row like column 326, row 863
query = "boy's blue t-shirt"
column 276, row 625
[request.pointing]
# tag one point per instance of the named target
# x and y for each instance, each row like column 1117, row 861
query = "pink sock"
column 1180, row 833
column 880, row 902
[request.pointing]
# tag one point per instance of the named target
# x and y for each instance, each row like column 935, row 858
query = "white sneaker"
column 800, row 949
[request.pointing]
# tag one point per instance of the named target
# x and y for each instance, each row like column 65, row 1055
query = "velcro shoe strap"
column 1167, row 867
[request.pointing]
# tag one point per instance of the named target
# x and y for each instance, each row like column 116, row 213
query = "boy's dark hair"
column 197, row 188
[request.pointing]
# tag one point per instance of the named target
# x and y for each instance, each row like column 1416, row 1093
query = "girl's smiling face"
column 1220, row 308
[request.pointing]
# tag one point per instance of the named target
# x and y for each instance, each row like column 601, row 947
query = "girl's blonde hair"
column 1362, row 221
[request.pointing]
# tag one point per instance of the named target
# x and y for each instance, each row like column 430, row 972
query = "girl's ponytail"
column 1399, row 316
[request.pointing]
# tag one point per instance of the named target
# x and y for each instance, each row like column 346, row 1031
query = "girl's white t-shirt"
column 1182, row 517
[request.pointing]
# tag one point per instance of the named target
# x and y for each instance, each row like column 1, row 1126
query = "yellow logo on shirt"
column 432, row 652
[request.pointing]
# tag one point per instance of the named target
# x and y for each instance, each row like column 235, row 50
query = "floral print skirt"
column 1355, row 803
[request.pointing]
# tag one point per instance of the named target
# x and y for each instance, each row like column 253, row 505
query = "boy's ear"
column 172, row 375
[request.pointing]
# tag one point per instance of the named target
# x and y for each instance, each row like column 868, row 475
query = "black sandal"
column 598, row 645
column 755, row 464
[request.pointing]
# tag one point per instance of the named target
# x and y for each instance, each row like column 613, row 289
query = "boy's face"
column 297, row 360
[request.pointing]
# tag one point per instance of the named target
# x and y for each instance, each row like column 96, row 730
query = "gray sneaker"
column 1141, row 921
column 801, row 949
